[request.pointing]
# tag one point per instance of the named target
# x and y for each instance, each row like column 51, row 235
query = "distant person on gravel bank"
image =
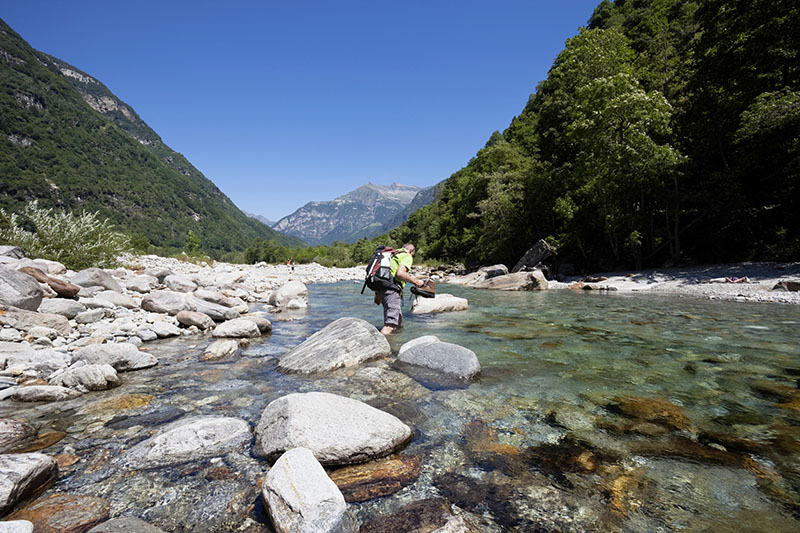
column 391, row 298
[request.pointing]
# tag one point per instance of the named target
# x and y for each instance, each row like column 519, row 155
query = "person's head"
column 410, row 248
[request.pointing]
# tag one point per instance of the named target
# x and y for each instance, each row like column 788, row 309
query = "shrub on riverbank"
column 77, row 241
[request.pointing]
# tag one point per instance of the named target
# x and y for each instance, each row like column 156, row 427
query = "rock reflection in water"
column 593, row 412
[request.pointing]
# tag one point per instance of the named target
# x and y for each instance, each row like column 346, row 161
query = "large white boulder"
column 342, row 343
column 444, row 357
column 167, row 302
column 442, row 303
column 336, row 429
column 293, row 290
column 301, row 498
column 23, row 474
column 237, row 328
column 86, row 377
column 19, row 290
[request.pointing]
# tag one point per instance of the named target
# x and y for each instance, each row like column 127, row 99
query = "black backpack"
column 379, row 276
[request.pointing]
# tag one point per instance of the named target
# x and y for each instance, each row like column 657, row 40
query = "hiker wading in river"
column 391, row 298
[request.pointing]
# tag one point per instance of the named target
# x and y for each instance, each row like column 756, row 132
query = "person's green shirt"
column 401, row 258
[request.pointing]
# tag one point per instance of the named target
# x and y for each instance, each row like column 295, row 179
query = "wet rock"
column 360, row 483
column 567, row 456
column 625, row 488
column 25, row 320
column 572, row 418
column 148, row 420
column 16, row 526
column 217, row 312
column 457, row 524
column 519, row 281
column 19, row 290
column 45, row 440
column 64, row 513
column 656, row 410
column 87, row 378
column 119, row 300
column 121, row 355
column 237, row 328
column 92, row 276
column 338, row 430
column 293, row 290
column 423, row 515
column 342, row 343
column 301, row 498
column 425, row 339
column 125, row 524
column 23, row 475
column 14, row 434
column 189, row 439
column 180, row 283
column 63, row 289
column 442, row 303
column 195, row 318
column 43, row 393
column 141, row 284
column 220, row 349
column 264, row 325
column 61, row 306
column 444, row 357
column 166, row 302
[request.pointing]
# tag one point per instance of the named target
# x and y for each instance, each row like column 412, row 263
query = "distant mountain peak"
column 367, row 211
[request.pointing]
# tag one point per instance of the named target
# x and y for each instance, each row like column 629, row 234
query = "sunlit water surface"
column 593, row 412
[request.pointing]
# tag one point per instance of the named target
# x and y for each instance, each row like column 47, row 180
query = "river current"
column 593, row 412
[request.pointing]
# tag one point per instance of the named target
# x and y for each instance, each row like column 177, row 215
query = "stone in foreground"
column 301, row 498
column 23, row 475
column 442, row 303
column 338, row 430
column 189, row 439
column 445, row 357
column 61, row 513
column 342, row 343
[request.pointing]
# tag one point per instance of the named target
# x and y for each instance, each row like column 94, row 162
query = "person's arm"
column 403, row 275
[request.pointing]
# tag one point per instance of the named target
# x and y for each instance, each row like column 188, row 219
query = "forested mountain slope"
column 66, row 140
column 667, row 130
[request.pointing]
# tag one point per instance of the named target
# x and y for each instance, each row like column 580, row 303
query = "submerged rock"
column 62, row 513
column 342, row 343
column 338, row 430
column 656, row 410
column 445, row 357
column 189, row 439
column 23, row 475
column 422, row 515
column 301, row 498
column 363, row 482
column 125, row 524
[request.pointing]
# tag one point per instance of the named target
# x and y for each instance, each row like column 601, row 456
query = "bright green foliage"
column 77, row 241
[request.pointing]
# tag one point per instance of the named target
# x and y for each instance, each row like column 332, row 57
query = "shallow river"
column 594, row 412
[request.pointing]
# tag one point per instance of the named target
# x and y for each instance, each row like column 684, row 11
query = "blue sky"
column 281, row 103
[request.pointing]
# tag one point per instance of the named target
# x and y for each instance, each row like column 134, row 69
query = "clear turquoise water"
column 543, row 441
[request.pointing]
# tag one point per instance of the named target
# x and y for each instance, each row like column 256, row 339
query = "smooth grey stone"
column 195, row 318
column 122, row 356
column 301, row 497
column 168, row 302
column 445, row 357
column 23, row 474
column 25, row 320
column 119, row 300
column 237, row 328
column 264, row 325
column 165, row 329
column 142, row 284
column 189, row 439
column 519, row 281
column 425, row 339
column 146, row 333
column 91, row 316
column 336, row 429
column 538, row 253
column 180, row 283
column 217, row 312
column 87, row 378
column 293, row 290
column 157, row 272
column 43, row 393
column 19, row 290
column 62, row 306
column 342, row 343
column 93, row 276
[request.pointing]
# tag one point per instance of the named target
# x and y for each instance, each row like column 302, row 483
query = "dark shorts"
column 392, row 308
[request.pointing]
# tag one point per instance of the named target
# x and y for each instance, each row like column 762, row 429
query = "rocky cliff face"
column 365, row 212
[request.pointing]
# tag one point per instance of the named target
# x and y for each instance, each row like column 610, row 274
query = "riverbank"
column 748, row 282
